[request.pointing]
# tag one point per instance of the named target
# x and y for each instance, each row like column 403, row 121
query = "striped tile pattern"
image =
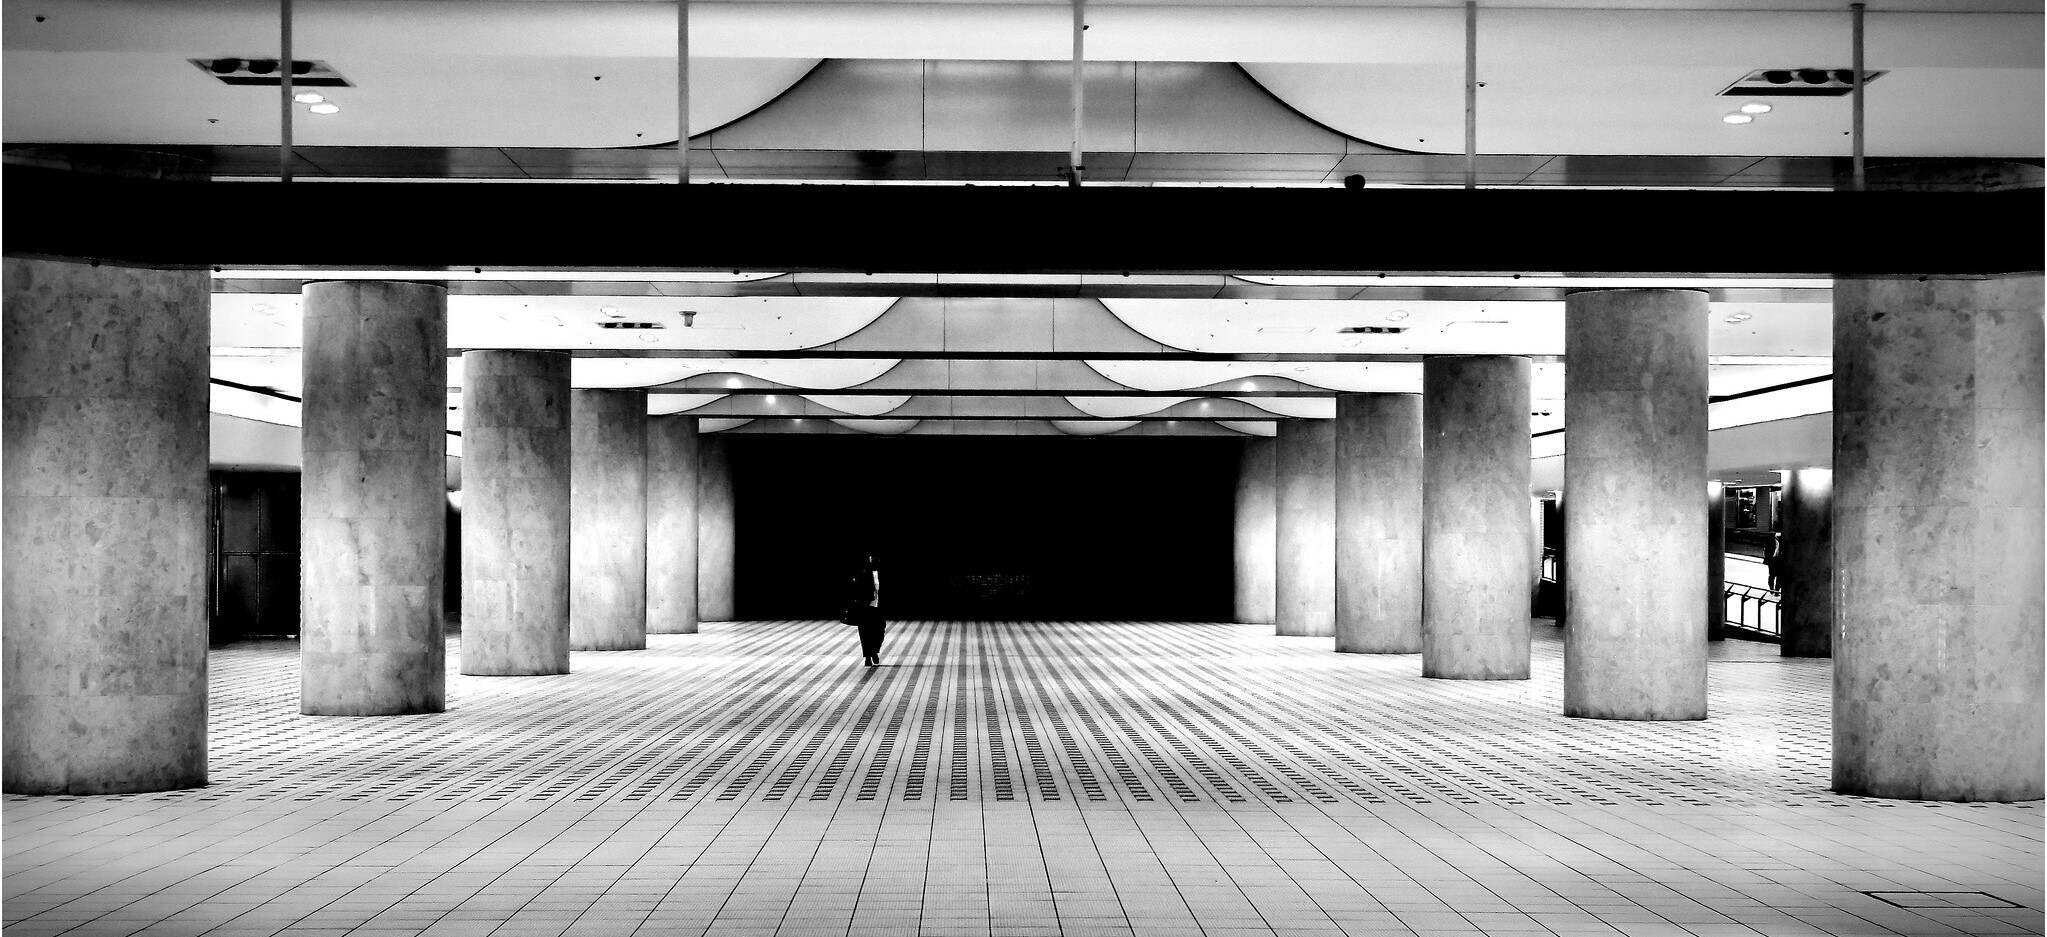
column 1015, row 778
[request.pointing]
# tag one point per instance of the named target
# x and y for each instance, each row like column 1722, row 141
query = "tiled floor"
column 1001, row 778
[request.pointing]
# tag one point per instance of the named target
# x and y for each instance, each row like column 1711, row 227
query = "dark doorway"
column 1011, row 527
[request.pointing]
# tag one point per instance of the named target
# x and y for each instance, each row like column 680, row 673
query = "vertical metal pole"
column 284, row 102
column 1471, row 94
column 682, row 92
column 1079, row 56
column 1855, row 11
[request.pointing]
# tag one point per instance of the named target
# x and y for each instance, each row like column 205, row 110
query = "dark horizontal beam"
column 1006, row 229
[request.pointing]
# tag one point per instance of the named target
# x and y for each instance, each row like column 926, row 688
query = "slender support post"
column 1855, row 11
column 1079, row 58
column 284, row 101
column 682, row 92
column 1471, row 94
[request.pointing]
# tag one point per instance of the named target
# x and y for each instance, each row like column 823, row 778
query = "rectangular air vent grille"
column 1805, row 82
column 234, row 70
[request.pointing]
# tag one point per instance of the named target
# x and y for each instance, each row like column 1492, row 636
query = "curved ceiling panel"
column 700, row 323
column 1466, row 327
column 879, row 427
column 1647, row 82
column 1250, row 429
column 1092, row 427
column 1305, row 408
column 858, row 404
column 401, row 95
column 1244, row 376
column 729, row 373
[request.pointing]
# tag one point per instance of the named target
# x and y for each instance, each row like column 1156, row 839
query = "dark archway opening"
column 987, row 527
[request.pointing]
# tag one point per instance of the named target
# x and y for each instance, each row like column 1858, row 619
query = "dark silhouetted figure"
column 863, row 609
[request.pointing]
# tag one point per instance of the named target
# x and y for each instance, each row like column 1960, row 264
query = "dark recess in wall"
column 253, row 556
column 971, row 527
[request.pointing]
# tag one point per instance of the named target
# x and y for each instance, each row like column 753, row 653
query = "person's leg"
column 880, row 632
column 870, row 638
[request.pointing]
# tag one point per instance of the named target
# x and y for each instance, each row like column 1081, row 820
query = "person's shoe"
column 870, row 661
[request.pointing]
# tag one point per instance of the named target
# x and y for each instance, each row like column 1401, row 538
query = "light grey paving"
column 1017, row 778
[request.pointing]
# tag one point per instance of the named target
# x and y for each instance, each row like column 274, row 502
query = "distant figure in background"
column 863, row 609
column 1773, row 558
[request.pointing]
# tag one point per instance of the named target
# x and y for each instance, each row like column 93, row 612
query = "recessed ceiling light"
column 1734, row 317
column 1396, row 315
column 1737, row 119
column 260, row 309
column 325, row 107
column 309, row 97
column 1755, row 107
column 609, row 311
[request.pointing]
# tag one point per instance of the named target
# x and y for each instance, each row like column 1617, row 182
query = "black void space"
column 1006, row 527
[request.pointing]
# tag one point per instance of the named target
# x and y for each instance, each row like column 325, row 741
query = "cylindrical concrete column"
column 1716, row 561
column 1379, row 523
column 672, row 525
column 1635, row 386
column 374, row 504
column 1807, row 584
column 104, row 554
column 1937, row 537
column 515, row 513
column 716, row 520
column 608, row 520
column 1475, row 517
column 1256, row 519
column 1304, row 557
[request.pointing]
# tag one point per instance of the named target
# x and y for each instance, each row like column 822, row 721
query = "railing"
column 1754, row 610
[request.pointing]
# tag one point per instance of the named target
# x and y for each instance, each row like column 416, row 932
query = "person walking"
column 863, row 609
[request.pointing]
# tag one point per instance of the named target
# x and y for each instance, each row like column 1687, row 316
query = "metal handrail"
column 1770, row 624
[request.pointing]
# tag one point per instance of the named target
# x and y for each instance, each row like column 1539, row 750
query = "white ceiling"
column 1585, row 79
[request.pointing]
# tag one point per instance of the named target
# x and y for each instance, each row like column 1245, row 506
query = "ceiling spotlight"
column 1755, row 107
column 325, row 107
column 1814, row 76
column 262, row 66
column 689, row 318
column 1735, row 317
column 226, row 66
column 309, row 97
column 1777, row 77
column 1845, row 76
column 1737, row 119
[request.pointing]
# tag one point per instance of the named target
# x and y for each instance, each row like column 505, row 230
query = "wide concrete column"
column 1379, row 523
column 672, row 525
column 1304, row 557
column 373, row 506
column 608, row 520
column 1937, row 537
column 104, row 544
column 715, row 530
column 1635, row 387
column 1716, row 561
column 1256, row 520
column 1807, row 585
column 515, row 513
column 1475, row 517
